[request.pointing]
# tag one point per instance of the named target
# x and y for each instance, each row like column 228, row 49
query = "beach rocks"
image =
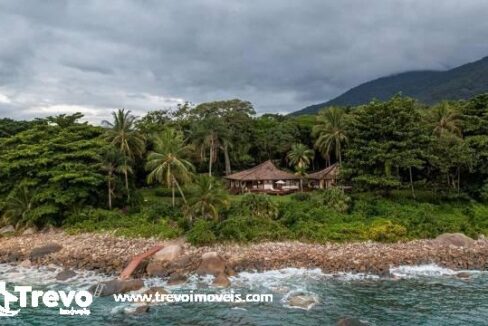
column 117, row 286
column 29, row 231
column 45, row 250
column 455, row 239
column 350, row 322
column 65, row 275
column 7, row 229
column 301, row 301
column 212, row 264
column 168, row 253
column 221, row 281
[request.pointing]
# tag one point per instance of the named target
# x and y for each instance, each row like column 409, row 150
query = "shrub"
column 202, row 233
column 385, row 231
column 335, row 198
column 301, row 196
column 135, row 225
column 256, row 205
column 244, row 229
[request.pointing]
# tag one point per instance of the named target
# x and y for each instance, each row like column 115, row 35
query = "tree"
column 208, row 197
column 18, row 205
column 210, row 135
column 257, row 205
column 112, row 162
column 126, row 138
column 222, row 126
column 386, row 141
column 60, row 165
column 300, row 157
column 167, row 164
column 273, row 135
column 330, row 132
column 444, row 119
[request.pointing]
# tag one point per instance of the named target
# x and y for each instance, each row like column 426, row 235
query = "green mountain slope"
column 427, row 86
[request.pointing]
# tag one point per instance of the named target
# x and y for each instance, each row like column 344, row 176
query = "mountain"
column 427, row 86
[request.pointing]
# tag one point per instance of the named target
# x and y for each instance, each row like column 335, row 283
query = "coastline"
column 107, row 254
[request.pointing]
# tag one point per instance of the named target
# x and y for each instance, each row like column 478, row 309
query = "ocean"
column 417, row 295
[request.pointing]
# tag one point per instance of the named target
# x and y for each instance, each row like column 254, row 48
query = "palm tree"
column 113, row 162
column 211, row 136
column 445, row 120
column 300, row 157
column 18, row 205
column 330, row 131
column 126, row 138
column 208, row 197
column 166, row 162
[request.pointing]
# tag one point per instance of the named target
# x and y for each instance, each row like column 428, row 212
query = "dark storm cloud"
column 93, row 56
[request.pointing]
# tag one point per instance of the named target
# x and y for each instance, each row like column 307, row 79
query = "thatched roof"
column 329, row 172
column 264, row 171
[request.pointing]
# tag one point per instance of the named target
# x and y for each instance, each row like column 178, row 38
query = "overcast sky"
column 95, row 56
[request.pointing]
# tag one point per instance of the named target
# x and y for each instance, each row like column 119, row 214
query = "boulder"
column 301, row 301
column 65, row 275
column 176, row 278
column 13, row 256
column 463, row 275
column 45, row 250
column 221, row 281
column 156, row 290
column 155, row 268
column 26, row 263
column 454, row 239
column 168, row 253
column 141, row 310
column 7, row 229
column 117, row 286
column 350, row 322
column 212, row 264
column 29, row 231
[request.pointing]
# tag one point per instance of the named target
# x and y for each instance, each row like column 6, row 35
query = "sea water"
column 416, row 295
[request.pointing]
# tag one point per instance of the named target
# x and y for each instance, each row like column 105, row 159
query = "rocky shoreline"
column 107, row 254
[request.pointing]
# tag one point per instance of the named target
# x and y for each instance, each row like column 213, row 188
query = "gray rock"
column 45, row 250
column 65, row 275
column 350, row 322
column 168, row 253
column 29, row 231
column 177, row 278
column 142, row 310
column 26, row 263
column 463, row 275
column 221, row 281
column 454, row 239
column 211, row 263
column 302, row 301
column 117, row 286
column 7, row 229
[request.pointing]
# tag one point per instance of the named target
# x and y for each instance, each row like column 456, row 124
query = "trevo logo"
column 69, row 303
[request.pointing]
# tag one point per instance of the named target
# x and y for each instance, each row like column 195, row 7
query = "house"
column 265, row 178
column 325, row 178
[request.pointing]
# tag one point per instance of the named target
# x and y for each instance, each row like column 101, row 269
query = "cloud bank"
column 95, row 56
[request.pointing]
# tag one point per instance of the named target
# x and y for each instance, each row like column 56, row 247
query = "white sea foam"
column 429, row 270
column 45, row 276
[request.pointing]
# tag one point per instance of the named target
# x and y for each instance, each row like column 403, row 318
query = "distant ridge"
column 427, row 86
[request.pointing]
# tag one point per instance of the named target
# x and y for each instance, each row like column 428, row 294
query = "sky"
column 282, row 55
